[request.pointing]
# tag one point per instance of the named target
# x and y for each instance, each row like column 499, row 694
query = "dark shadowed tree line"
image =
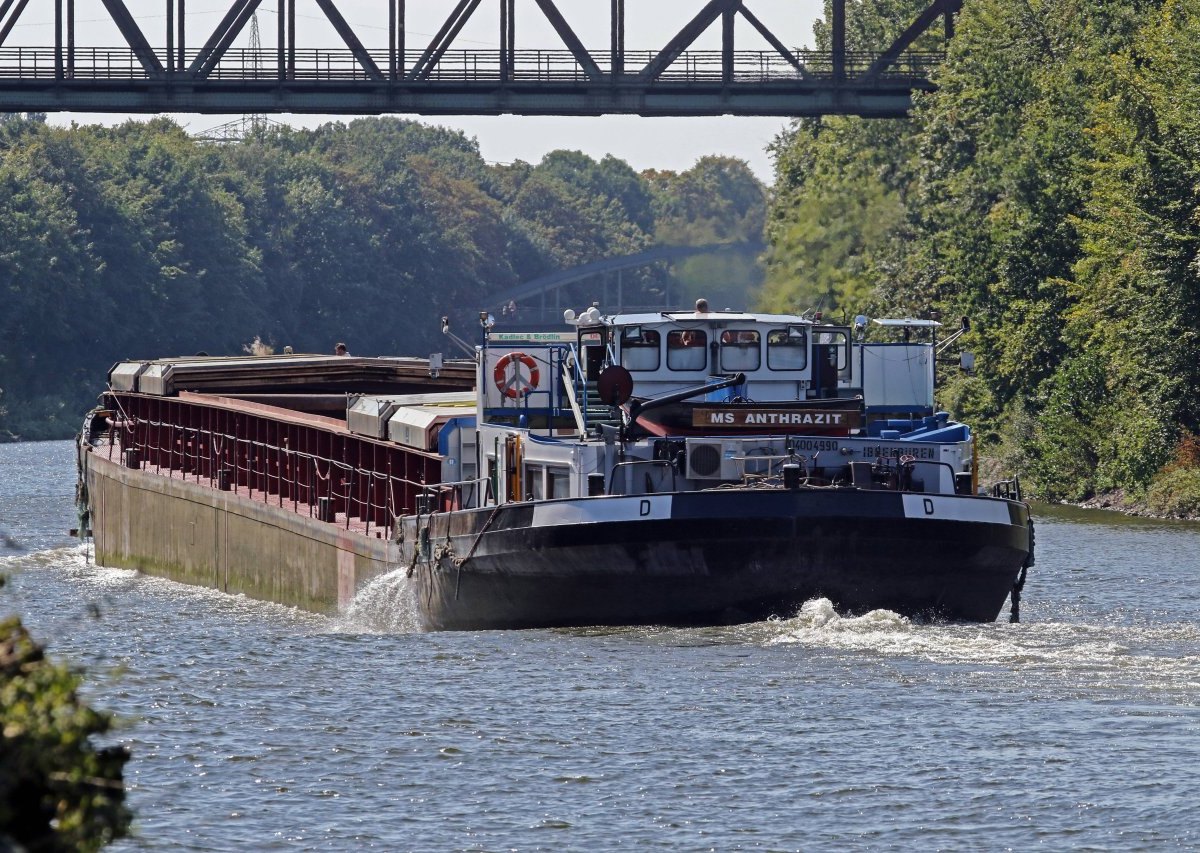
column 139, row 241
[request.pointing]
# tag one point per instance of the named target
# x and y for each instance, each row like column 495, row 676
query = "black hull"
column 719, row 557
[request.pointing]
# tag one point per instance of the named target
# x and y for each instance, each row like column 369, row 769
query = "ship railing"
column 579, row 384
column 313, row 482
column 552, row 401
column 569, row 386
column 626, row 468
column 903, row 474
column 459, row 494
column 1008, row 489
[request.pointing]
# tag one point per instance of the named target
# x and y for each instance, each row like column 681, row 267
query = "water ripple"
column 259, row 726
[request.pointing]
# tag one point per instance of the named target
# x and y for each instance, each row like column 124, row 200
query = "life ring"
column 509, row 378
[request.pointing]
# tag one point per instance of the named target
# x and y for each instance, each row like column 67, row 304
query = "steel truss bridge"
column 438, row 79
column 541, row 299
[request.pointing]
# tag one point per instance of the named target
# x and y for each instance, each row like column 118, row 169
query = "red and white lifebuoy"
column 513, row 381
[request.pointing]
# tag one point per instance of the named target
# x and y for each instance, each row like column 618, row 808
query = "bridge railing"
column 93, row 63
column 530, row 66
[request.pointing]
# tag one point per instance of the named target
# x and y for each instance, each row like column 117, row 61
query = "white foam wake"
column 386, row 605
column 889, row 634
column 819, row 614
column 72, row 557
column 1099, row 656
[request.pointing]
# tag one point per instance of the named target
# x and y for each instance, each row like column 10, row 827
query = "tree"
column 718, row 200
column 140, row 242
column 1047, row 191
column 57, row 790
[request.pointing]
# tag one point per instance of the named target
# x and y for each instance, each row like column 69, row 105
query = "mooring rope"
column 459, row 563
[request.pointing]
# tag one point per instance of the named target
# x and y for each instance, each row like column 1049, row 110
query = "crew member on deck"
column 340, row 349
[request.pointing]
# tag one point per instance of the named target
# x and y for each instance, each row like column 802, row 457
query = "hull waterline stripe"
column 595, row 511
column 956, row 509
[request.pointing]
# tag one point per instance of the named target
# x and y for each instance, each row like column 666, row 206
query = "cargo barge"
column 689, row 467
column 272, row 477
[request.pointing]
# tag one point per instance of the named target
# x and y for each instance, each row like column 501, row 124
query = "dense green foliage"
column 139, row 242
column 58, row 791
column 1050, row 191
column 716, row 201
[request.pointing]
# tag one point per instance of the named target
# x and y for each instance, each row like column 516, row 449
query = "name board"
column 823, row 418
column 531, row 337
column 918, row 451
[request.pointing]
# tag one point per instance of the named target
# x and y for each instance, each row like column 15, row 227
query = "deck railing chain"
column 157, row 439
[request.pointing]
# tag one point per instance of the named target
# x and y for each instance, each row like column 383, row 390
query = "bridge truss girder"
column 351, row 79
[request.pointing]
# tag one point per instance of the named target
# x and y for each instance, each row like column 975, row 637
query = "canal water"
column 255, row 725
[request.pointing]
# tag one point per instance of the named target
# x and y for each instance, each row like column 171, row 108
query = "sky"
column 661, row 143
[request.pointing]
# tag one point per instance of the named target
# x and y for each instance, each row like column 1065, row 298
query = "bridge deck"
column 539, row 82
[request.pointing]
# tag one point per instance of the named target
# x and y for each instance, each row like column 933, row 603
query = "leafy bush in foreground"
column 57, row 790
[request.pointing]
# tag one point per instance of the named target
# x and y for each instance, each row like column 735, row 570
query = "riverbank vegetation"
column 139, row 241
column 1049, row 191
column 58, row 790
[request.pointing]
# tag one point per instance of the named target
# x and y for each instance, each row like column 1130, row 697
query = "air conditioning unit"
column 712, row 460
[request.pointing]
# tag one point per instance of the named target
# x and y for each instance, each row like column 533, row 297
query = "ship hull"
column 193, row 534
column 694, row 558
column 717, row 557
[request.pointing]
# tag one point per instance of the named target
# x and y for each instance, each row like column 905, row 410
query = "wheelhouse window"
column 835, row 343
column 787, row 349
column 558, row 481
column 687, row 349
column 741, row 350
column 640, row 349
column 534, row 484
